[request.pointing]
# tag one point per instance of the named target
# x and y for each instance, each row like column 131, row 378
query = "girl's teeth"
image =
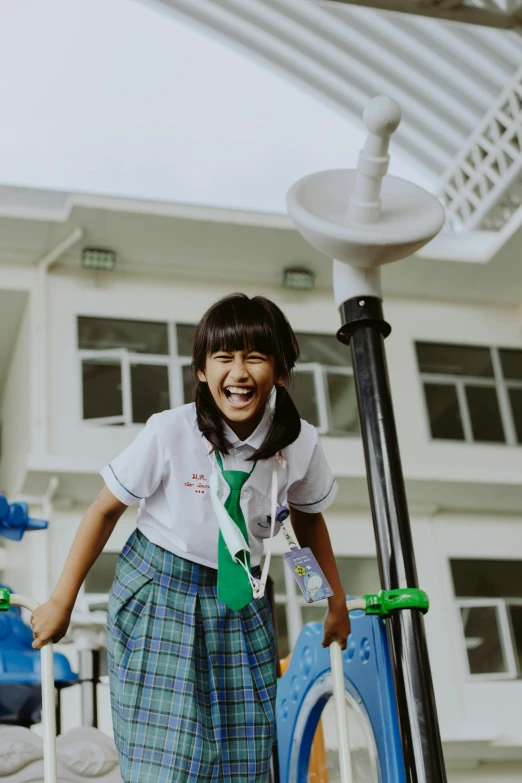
column 239, row 395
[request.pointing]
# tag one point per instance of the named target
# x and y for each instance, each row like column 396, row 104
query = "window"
column 99, row 579
column 489, row 599
column 359, row 575
column 472, row 393
column 132, row 369
column 323, row 388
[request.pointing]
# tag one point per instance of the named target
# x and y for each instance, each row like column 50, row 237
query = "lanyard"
column 282, row 514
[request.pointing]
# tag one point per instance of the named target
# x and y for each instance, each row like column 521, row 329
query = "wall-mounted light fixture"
column 98, row 258
column 299, row 278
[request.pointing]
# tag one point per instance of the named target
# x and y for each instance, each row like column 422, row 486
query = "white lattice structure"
column 444, row 76
column 482, row 189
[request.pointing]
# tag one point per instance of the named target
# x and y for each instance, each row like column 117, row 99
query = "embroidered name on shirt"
column 197, row 483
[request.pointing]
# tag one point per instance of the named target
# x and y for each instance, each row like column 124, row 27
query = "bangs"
column 233, row 331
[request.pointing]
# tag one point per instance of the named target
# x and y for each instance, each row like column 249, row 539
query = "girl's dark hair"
column 237, row 323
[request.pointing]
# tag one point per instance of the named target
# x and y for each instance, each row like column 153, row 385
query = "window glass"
column 484, row 412
column 135, row 336
column 454, row 359
column 324, row 349
column 515, row 616
column 104, row 664
column 343, row 404
column 483, row 645
column 443, row 411
column 283, row 643
column 487, row 578
column 99, row 579
column 185, row 336
column 511, row 361
column 102, row 394
column 277, row 572
column 359, row 575
column 314, row 613
column 515, row 398
column 150, row 390
column 188, row 384
column 304, row 396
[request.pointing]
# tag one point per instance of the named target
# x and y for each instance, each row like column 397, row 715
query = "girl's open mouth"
column 238, row 396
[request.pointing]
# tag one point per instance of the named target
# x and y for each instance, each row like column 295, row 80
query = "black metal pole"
column 364, row 329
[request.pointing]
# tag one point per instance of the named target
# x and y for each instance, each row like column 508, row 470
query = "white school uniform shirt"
column 167, row 467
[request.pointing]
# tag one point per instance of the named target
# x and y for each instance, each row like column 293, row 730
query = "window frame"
column 172, row 361
column 507, row 640
column 497, row 382
column 175, row 364
column 324, row 411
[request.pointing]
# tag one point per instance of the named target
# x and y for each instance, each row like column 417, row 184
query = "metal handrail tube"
column 48, row 695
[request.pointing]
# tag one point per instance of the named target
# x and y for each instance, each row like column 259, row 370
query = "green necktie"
column 233, row 584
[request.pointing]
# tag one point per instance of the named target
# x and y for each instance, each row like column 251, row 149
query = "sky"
column 116, row 97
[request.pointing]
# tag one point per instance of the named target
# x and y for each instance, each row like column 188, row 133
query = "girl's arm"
column 51, row 620
column 311, row 531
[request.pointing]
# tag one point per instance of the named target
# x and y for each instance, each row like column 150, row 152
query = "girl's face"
column 240, row 383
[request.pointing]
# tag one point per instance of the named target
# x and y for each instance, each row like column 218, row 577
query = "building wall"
column 170, row 300
column 500, row 772
column 468, row 710
column 15, row 410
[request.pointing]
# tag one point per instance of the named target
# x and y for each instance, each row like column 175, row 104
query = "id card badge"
column 308, row 575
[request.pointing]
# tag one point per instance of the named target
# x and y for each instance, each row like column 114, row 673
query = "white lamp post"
column 363, row 219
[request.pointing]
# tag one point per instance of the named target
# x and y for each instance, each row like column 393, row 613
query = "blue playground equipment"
column 20, row 669
column 15, row 520
column 306, row 686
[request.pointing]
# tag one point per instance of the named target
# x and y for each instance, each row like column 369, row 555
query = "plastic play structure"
column 360, row 680
column 362, row 219
column 30, row 686
column 20, row 693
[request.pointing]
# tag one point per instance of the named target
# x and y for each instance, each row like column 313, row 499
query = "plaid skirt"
column 192, row 683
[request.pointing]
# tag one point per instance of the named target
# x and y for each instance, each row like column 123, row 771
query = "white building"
column 86, row 357
column 83, row 352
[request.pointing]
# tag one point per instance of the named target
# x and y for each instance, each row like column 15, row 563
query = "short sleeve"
column 318, row 487
column 136, row 473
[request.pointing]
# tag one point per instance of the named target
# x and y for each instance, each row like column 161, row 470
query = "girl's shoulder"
column 176, row 420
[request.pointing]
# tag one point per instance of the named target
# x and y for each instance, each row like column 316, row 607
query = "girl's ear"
column 201, row 376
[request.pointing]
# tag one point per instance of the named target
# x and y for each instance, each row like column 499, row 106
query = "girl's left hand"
column 337, row 626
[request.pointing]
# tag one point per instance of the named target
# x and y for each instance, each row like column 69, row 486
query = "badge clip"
column 304, row 566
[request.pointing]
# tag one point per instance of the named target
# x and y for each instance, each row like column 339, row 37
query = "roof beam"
column 448, row 10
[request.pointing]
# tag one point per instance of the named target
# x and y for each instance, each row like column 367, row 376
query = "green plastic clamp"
column 388, row 601
column 5, row 599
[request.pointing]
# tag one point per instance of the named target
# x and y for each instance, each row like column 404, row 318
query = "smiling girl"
column 191, row 645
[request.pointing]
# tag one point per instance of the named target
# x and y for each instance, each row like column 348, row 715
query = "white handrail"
column 343, row 737
column 345, row 761
column 48, row 698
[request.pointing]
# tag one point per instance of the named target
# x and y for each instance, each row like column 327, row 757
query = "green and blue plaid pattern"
column 193, row 683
